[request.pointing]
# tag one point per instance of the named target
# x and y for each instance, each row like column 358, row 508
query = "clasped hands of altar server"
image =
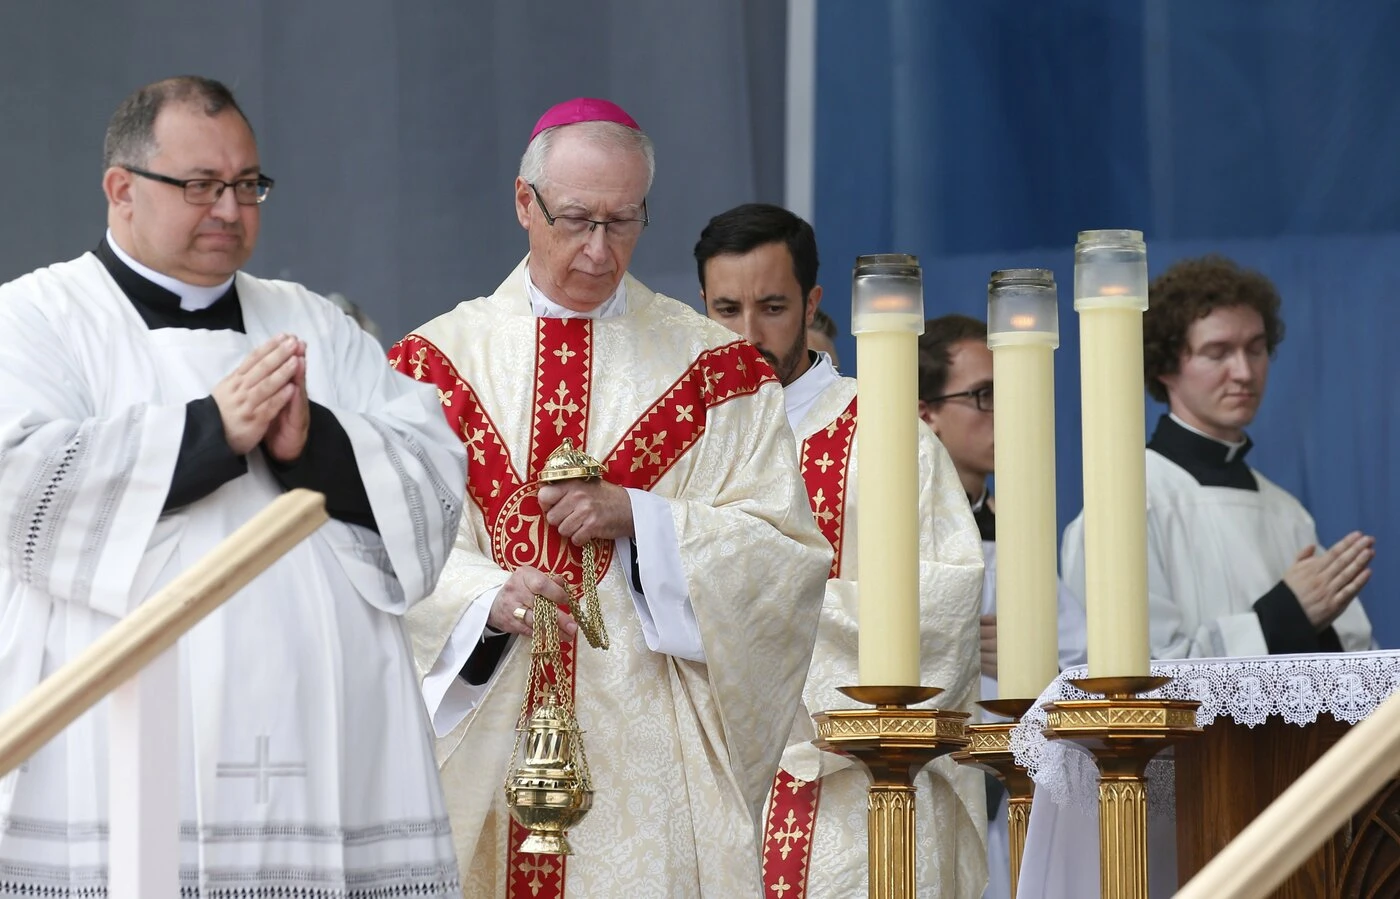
column 263, row 401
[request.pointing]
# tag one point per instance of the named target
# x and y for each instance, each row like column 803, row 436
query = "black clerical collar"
column 160, row 308
column 984, row 516
column 1211, row 462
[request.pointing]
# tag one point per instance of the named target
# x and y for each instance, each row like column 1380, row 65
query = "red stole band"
column 792, row 803
column 787, row 836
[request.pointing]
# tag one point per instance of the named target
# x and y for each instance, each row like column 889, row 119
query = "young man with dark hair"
column 758, row 270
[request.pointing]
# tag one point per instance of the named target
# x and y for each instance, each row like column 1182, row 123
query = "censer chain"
column 586, row 609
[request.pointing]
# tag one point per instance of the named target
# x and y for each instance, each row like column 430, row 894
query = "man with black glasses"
column 154, row 397
column 710, row 564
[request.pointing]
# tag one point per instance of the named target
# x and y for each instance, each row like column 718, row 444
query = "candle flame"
column 1114, row 290
column 1022, row 322
column 889, row 303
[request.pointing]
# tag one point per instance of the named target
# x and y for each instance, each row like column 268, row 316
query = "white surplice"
column 681, row 750
column 951, row 799
column 306, row 762
column 1211, row 553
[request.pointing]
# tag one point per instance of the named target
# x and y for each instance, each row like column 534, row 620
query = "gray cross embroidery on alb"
column 263, row 769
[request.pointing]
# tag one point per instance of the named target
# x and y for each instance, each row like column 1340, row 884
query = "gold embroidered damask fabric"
column 681, row 752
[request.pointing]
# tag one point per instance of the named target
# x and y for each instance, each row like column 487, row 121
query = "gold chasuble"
column 815, row 824
column 682, row 752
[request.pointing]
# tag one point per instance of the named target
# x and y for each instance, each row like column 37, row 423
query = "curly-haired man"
column 1234, row 566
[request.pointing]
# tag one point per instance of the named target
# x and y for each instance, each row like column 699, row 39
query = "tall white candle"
column 887, row 319
column 1023, row 332
column 1110, row 295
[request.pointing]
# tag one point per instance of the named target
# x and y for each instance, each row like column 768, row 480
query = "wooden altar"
column 1227, row 776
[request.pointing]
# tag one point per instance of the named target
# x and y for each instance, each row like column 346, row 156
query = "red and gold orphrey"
column 508, row 501
column 792, row 803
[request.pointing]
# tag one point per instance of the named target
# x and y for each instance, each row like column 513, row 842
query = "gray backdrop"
column 394, row 129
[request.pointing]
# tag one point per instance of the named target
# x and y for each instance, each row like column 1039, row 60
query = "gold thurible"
column 549, row 790
column 548, row 785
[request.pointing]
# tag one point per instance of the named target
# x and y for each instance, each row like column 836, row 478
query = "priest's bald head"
column 581, row 195
column 183, row 181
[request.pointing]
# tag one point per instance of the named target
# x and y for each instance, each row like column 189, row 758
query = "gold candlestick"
column 893, row 743
column 1123, row 731
column 989, row 748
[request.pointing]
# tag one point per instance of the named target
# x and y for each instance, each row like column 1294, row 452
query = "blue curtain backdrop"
column 977, row 135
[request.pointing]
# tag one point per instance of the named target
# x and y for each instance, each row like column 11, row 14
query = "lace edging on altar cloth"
column 1249, row 691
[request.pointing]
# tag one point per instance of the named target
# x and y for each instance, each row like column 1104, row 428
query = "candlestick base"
column 1123, row 732
column 989, row 748
column 893, row 743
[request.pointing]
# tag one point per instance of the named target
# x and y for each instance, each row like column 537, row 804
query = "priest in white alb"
column 153, row 397
column 711, row 564
column 758, row 276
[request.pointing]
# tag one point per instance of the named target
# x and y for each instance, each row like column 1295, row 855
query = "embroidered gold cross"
column 787, row 837
column 685, row 413
column 647, row 454
column 712, row 379
column 444, row 396
column 419, row 362
column 474, row 442
column 559, row 407
column 782, row 886
column 840, row 420
column 818, row 501
column 825, row 462
column 564, row 353
column 532, row 866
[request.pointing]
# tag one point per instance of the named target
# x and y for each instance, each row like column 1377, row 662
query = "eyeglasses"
column 578, row 226
column 207, row 191
column 981, row 397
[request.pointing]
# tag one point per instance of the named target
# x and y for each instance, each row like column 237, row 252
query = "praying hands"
column 264, row 400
